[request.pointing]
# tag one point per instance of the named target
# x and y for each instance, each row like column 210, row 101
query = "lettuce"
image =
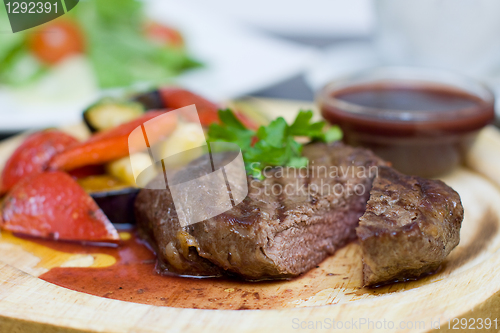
column 114, row 44
column 117, row 49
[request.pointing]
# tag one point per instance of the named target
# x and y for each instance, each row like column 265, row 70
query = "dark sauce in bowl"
column 392, row 97
column 424, row 127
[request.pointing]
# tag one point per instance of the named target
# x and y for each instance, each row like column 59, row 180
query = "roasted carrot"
column 33, row 156
column 111, row 144
column 53, row 205
column 176, row 98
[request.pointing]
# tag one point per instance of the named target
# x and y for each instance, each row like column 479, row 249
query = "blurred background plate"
column 237, row 60
column 286, row 50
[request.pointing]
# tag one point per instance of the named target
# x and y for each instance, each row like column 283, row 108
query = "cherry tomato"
column 56, row 40
column 164, row 35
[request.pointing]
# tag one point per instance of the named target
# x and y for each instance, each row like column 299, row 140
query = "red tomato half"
column 164, row 35
column 33, row 156
column 56, row 40
column 53, row 205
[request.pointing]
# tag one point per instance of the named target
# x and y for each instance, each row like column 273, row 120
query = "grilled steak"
column 294, row 218
column 411, row 224
column 288, row 223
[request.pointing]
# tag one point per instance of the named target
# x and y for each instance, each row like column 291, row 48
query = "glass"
column 461, row 35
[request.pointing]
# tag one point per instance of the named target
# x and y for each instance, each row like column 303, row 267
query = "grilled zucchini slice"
column 109, row 113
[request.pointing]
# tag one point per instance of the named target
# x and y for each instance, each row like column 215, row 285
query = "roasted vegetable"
column 109, row 113
column 114, row 197
column 118, row 205
column 112, row 144
column 33, row 156
column 150, row 100
column 251, row 109
column 53, row 205
column 101, row 183
column 126, row 168
column 185, row 137
column 207, row 111
column 176, row 98
column 87, row 171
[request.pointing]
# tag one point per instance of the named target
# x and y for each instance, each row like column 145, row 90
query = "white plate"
column 237, row 61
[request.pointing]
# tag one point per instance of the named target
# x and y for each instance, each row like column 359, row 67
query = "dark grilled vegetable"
column 109, row 113
column 150, row 100
column 118, row 205
column 115, row 198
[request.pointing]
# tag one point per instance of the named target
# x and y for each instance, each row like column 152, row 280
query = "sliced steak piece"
column 288, row 223
column 411, row 224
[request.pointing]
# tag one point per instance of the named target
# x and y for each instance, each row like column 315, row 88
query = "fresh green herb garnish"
column 274, row 144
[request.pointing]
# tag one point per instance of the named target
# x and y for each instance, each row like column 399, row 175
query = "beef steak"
column 410, row 225
column 288, row 223
column 294, row 218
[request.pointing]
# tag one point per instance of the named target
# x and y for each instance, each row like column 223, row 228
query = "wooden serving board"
column 467, row 287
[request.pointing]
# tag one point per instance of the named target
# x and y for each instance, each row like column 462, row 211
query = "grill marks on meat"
column 411, row 224
column 270, row 235
column 406, row 229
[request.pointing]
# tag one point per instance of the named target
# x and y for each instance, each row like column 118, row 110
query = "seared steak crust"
column 288, row 223
column 411, row 224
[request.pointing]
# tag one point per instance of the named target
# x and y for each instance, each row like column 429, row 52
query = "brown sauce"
column 408, row 98
column 422, row 129
column 133, row 278
column 434, row 111
column 127, row 273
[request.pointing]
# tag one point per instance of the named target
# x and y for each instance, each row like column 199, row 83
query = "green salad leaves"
column 118, row 49
column 274, row 144
column 115, row 45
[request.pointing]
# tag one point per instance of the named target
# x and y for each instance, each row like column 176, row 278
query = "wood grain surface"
column 467, row 286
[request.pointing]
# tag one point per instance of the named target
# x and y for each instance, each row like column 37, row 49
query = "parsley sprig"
column 274, row 144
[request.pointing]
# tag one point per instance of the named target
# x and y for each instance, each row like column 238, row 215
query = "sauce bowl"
column 421, row 120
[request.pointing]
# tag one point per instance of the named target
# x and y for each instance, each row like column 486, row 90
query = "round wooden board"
column 468, row 286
